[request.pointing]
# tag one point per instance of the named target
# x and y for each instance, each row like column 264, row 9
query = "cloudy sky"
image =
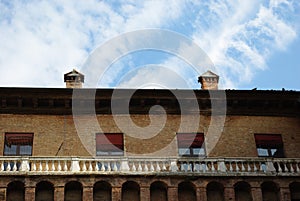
column 252, row 43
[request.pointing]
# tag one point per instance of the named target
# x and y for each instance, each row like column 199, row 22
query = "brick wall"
column 57, row 135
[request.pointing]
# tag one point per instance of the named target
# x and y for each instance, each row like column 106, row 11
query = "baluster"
column 8, row 166
column 158, row 169
column 14, row 166
column 40, row 166
column 2, row 166
column 230, row 167
column 297, row 167
column 102, row 167
column 96, row 166
column 164, row 168
column 146, row 167
column 254, row 166
column 248, row 167
column 139, row 167
column 243, row 166
column 201, row 167
column 65, row 166
column 279, row 167
column 151, row 166
column 33, row 165
column 237, row 169
column 212, row 167
column 83, row 166
column 109, row 168
column 58, row 166
column 46, row 167
column 90, row 166
column 133, row 166
column 261, row 167
column 53, row 166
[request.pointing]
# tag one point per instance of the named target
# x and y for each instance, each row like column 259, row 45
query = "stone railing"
column 197, row 166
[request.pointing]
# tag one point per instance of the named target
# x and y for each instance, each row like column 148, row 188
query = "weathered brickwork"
column 57, row 135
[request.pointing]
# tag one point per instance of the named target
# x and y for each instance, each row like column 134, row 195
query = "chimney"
column 74, row 79
column 209, row 80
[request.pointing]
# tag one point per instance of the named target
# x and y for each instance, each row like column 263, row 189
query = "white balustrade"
column 225, row 166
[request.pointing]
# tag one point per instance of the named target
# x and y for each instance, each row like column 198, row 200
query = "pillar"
column 285, row 194
column 201, row 194
column 87, row 193
column 116, row 193
column 145, row 193
column 229, row 194
column 29, row 193
column 172, row 193
column 256, row 193
column 59, row 193
column 2, row 193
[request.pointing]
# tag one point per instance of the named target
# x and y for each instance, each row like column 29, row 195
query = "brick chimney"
column 209, row 80
column 74, row 79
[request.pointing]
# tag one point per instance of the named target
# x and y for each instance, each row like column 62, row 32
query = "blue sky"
column 252, row 43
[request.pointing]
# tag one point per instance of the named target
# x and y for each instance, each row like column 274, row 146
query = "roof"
column 58, row 101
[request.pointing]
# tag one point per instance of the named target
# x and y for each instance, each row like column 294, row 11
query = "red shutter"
column 194, row 140
column 18, row 138
column 108, row 139
column 268, row 139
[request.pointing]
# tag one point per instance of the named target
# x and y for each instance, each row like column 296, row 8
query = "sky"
column 251, row 43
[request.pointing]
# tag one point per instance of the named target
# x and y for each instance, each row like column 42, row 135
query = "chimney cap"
column 74, row 75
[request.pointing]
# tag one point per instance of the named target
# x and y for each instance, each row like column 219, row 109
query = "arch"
column 270, row 191
column 130, row 191
column 186, row 191
column 44, row 191
column 158, row 191
column 242, row 191
column 73, row 191
column 215, row 191
column 102, row 191
column 15, row 191
column 295, row 191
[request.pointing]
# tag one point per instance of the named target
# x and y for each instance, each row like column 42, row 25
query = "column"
column 29, row 193
column 116, row 193
column 172, row 193
column 229, row 194
column 87, row 193
column 145, row 193
column 2, row 193
column 59, row 193
column 256, row 193
column 285, row 194
column 201, row 194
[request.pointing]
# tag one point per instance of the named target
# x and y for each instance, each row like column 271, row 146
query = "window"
column 269, row 145
column 109, row 144
column 18, row 144
column 190, row 144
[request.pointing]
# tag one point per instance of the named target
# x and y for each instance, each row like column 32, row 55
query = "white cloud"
column 41, row 40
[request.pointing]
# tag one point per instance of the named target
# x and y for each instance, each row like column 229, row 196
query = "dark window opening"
column 190, row 144
column 269, row 145
column 109, row 144
column 18, row 144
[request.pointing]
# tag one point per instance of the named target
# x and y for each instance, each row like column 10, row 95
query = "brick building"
column 244, row 146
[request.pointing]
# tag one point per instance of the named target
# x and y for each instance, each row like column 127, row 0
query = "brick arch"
column 158, row 191
column 270, row 191
column 44, row 190
column 186, row 191
column 242, row 191
column 73, row 191
column 130, row 191
column 102, row 191
column 295, row 191
column 215, row 191
column 15, row 191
